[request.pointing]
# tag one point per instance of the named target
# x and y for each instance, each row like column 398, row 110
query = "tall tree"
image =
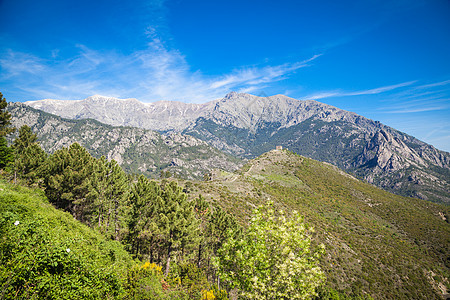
column 29, row 156
column 117, row 181
column 97, row 196
column 145, row 199
column 104, row 203
column 6, row 154
column 202, row 213
column 66, row 179
column 177, row 222
column 5, row 118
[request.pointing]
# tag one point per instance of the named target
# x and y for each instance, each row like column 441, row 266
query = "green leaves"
column 29, row 156
column 35, row 262
column 66, row 179
column 6, row 154
column 273, row 259
column 5, row 118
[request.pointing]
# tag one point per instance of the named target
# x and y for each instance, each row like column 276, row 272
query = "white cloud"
column 379, row 90
column 417, row 109
column 17, row 63
column 155, row 73
column 431, row 85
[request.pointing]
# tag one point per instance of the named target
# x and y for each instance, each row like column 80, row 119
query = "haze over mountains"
column 247, row 126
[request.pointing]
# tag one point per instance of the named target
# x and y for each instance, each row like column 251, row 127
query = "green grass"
column 46, row 254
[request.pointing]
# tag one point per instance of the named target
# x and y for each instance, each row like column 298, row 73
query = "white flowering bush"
column 273, row 259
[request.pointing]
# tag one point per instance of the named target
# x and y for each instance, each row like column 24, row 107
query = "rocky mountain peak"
column 231, row 95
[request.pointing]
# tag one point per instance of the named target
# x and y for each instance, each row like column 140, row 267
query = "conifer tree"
column 66, row 179
column 29, row 156
column 5, row 118
column 145, row 199
column 97, row 196
column 202, row 214
column 6, row 154
column 220, row 224
column 177, row 223
column 117, row 194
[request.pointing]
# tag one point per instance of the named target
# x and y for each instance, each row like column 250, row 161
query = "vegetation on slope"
column 377, row 243
column 416, row 169
column 47, row 254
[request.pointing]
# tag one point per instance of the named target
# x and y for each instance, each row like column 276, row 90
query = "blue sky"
column 385, row 60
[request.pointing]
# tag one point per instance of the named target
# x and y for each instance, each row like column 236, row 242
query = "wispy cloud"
column 431, row 85
column 418, row 109
column 339, row 93
column 380, row 89
column 418, row 98
column 155, row 73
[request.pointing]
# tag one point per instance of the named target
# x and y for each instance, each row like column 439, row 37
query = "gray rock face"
column 235, row 109
column 160, row 116
column 247, row 126
column 135, row 149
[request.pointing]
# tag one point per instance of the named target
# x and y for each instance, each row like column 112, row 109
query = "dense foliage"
column 273, row 259
column 46, row 254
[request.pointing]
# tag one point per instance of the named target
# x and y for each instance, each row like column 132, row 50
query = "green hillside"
column 377, row 244
column 46, row 254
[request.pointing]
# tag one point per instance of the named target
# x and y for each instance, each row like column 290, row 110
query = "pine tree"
column 67, row 179
column 29, row 156
column 177, row 223
column 117, row 194
column 97, row 196
column 202, row 214
column 5, row 118
column 145, row 199
column 6, row 154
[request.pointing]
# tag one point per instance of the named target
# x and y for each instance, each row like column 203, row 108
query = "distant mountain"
column 136, row 150
column 159, row 116
column 247, row 126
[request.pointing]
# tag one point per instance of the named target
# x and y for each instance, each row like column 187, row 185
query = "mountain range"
column 136, row 150
column 246, row 126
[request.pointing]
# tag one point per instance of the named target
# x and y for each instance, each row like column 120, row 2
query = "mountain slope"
column 160, row 116
column 136, row 150
column 247, row 126
column 377, row 243
column 46, row 254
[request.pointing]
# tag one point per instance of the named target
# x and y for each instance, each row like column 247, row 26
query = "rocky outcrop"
column 386, row 153
column 419, row 171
